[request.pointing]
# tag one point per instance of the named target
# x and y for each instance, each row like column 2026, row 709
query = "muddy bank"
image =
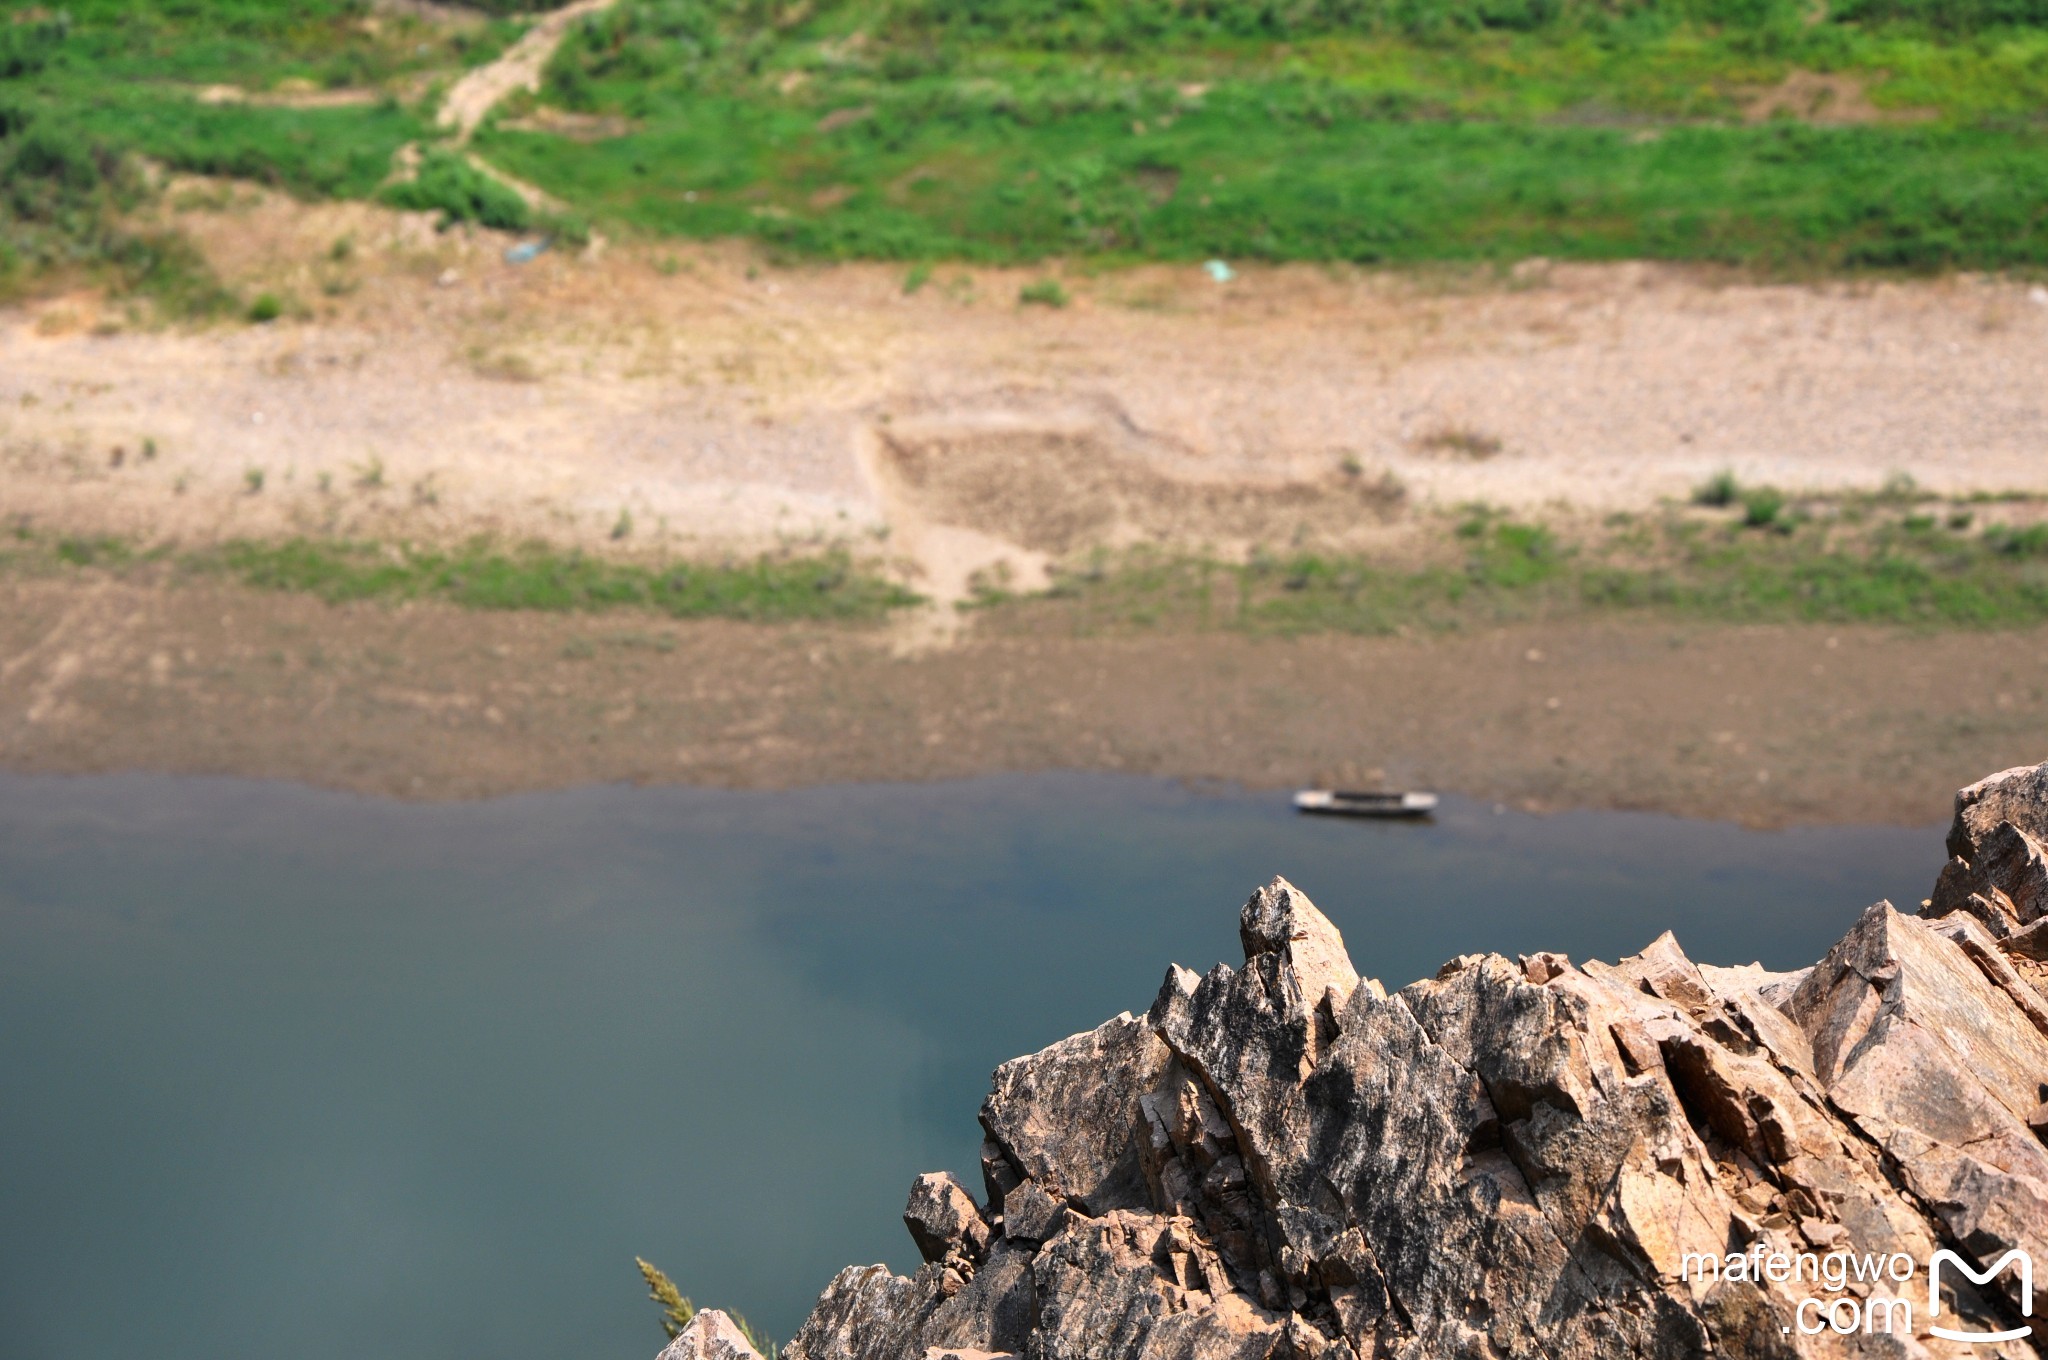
column 1777, row 725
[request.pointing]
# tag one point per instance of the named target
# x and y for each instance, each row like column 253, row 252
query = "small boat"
column 1359, row 803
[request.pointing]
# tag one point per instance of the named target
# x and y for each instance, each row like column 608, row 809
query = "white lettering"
column 1872, row 1308
column 2026, row 1265
column 1835, row 1271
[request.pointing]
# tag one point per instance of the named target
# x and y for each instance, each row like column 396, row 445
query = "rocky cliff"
column 1517, row 1157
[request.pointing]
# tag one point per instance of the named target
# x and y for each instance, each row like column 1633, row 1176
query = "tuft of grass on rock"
column 677, row 1310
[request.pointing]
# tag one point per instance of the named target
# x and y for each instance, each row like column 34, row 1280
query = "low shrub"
column 1719, row 490
column 1044, row 293
column 451, row 186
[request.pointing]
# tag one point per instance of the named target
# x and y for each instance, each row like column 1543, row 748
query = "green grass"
column 1910, row 570
column 1398, row 132
column 1878, row 559
column 482, row 576
column 451, row 186
column 829, row 586
column 254, row 44
column 1242, row 176
column 314, row 153
column 1020, row 130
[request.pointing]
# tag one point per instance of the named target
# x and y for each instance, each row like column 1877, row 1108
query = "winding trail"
column 472, row 98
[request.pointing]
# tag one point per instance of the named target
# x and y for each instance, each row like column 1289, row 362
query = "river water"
column 293, row 1074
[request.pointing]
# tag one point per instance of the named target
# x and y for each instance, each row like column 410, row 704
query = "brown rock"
column 2018, row 796
column 1997, row 871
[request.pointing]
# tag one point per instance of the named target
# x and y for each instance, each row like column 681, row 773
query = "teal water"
column 288, row 1073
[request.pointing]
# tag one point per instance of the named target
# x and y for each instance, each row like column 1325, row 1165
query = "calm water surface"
column 287, row 1073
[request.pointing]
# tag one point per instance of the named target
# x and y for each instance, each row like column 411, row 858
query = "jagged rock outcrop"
column 1517, row 1157
column 1995, row 871
column 710, row 1335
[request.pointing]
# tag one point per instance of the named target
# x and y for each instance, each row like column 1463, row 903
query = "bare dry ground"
column 423, row 386
column 1763, row 725
column 430, row 387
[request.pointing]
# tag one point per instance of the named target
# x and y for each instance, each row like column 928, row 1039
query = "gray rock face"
column 710, row 1335
column 945, row 1222
column 1517, row 1157
column 1066, row 1118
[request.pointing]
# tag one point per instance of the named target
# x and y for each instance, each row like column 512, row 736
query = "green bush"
column 27, row 47
column 2031, row 541
column 450, row 185
column 1947, row 16
column 1719, row 490
column 1044, row 293
column 1762, row 507
column 60, row 200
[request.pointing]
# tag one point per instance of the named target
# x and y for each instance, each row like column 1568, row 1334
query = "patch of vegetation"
column 677, row 1310
column 254, row 45
column 1911, row 569
column 451, row 186
column 481, row 575
column 1019, row 130
column 1763, row 507
column 1366, row 130
column 1717, row 491
column 825, row 587
column 1463, row 443
column 1043, row 293
column 62, row 200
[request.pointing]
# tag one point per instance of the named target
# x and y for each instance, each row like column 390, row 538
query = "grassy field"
column 1490, row 130
column 1740, row 555
column 1755, row 557
column 484, row 575
column 1913, row 134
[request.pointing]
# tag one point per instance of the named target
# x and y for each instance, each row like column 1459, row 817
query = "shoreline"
column 1764, row 725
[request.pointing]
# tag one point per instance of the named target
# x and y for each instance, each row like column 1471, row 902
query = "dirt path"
column 1767, row 726
column 471, row 98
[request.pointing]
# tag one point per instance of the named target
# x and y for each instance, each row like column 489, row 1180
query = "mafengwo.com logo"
column 1863, row 1310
